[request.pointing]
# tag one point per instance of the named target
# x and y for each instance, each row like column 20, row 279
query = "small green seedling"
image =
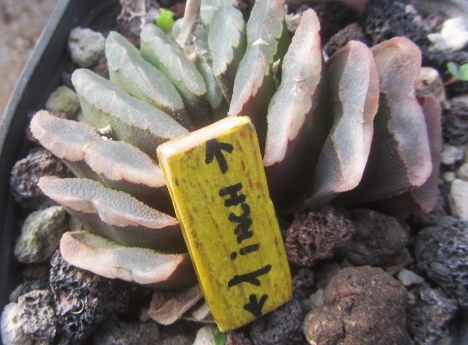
column 457, row 72
column 220, row 338
column 165, row 21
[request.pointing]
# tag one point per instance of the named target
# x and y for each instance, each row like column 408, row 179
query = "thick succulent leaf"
column 400, row 157
column 209, row 7
column 115, row 215
column 424, row 198
column 144, row 266
column 227, row 43
column 162, row 52
column 116, row 164
column 167, row 307
column 254, row 84
column 297, row 121
column 214, row 94
column 142, row 80
column 354, row 84
column 131, row 120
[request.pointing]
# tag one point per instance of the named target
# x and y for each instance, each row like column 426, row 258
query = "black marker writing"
column 251, row 278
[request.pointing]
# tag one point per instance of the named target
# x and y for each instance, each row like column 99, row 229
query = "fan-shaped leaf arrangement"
column 345, row 131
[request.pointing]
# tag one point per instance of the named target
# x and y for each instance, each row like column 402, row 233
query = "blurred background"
column 21, row 24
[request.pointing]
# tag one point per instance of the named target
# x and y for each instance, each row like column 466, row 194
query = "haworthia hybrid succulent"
column 162, row 52
column 144, row 266
column 116, row 164
column 227, row 43
column 354, row 84
column 400, row 157
column 115, row 215
column 131, row 120
column 141, row 80
column 254, row 83
column 298, row 121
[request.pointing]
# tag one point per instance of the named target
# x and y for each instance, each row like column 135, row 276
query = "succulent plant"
column 347, row 131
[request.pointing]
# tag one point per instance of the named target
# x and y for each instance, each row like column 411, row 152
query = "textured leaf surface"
column 297, row 120
column 162, row 52
column 254, row 84
column 116, row 164
column 354, row 84
column 131, row 120
column 214, row 95
column 424, row 198
column 400, row 157
column 227, row 42
column 144, row 266
column 141, row 79
column 209, row 7
column 113, row 214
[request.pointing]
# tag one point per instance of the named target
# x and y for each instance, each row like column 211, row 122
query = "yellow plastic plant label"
column 218, row 187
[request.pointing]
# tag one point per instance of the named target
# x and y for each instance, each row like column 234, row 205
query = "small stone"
column 123, row 333
column 316, row 235
column 37, row 315
column 430, row 83
column 316, row 299
column 83, row 300
column 282, row 326
column 40, row 235
column 342, row 37
column 12, row 328
column 429, row 316
column 206, row 335
column 458, row 199
column 27, row 172
column 409, row 278
column 237, row 338
column 454, row 32
column 378, row 240
column 64, row 100
column 85, row 46
column 462, row 172
column 455, row 123
column 303, row 283
column 449, row 176
column 451, row 154
column 362, row 306
column 441, row 251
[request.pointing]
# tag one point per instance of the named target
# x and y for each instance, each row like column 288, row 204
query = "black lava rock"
column 83, row 300
column 442, row 251
column 282, row 326
column 27, row 172
column 37, row 315
column 385, row 19
column 455, row 124
column 122, row 333
column 429, row 315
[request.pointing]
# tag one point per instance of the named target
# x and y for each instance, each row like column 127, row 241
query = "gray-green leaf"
column 115, row 215
column 141, row 79
column 131, row 120
column 162, row 52
column 227, row 43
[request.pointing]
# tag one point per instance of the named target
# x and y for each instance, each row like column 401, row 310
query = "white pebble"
column 458, row 199
column 408, row 278
column 86, row 46
column 462, row 172
column 451, row 154
column 455, row 33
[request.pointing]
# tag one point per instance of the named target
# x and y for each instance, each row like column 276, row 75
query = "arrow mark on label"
column 255, row 306
column 214, row 150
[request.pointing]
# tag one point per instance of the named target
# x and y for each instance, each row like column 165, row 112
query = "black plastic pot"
column 40, row 77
